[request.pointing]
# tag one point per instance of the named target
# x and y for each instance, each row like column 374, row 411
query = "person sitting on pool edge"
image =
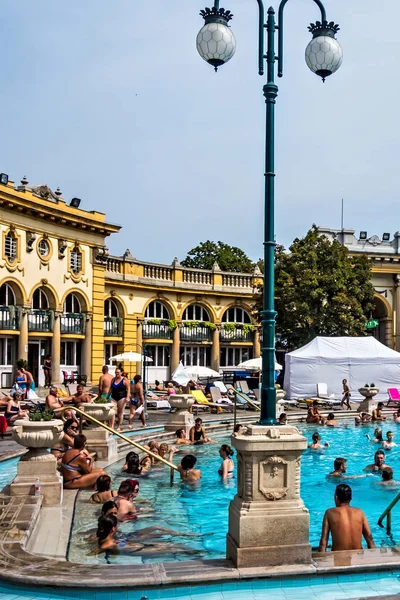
column 377, row 414
column 77, row 467
column 314, row 416
column 346, row 524
column 197, row 433
column 379, row 462
column 187, row 472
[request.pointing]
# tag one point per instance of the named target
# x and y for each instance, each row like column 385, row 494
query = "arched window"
column 75, row 260
column 195, row 312
column 11, row 246
column 111, row 309
column 40, row 300
column 7, row 296
column 72, row 304
column 236, row 315
column 156, row 310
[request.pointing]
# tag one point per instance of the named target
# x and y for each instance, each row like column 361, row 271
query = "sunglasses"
column 74, row 428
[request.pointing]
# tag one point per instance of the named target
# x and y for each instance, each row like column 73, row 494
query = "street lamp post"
column 216, row 44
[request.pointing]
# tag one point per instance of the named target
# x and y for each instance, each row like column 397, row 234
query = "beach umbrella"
column 131, row 357
column 255, row 364
column 203, row 372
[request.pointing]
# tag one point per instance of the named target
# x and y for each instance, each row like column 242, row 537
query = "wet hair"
column 282, row 416
column 103, row 483
column 137, row 378
column 331, row 417
column 132, row 463
column 163, row 446
column 389, row 433
column 237, row 427
column 154, row 444
column 198, row 420
column 188, row 461
column 227, row 449
column 387, row 474
column 378, row 433
column 125, row 488
column 105, row 526
column 109, row 505
column 178, row 433
column 379, row 452
column 343, row 493
column 68, row 424
column 133, row 483
column 316, row 437
column 79, row 441
column 339, row 462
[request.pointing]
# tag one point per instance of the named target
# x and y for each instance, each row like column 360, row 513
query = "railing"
column 195, row 334
column 158, row 331
column 237, row 335
column 82, row 413
column 199, row 277
column 236, row 280
column 8, row 317
column 73, row 323
column 158, row 272
column 387, row 513
column 113, row 326
column 114, row 265
column 40, row 320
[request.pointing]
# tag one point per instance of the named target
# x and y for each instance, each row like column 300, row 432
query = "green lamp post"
column 216, row 44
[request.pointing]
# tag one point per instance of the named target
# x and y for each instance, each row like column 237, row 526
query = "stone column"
column 23, row 336
column 175, row 350
column 86, row 366
column 215, row 354
column 268, row 522
column 256, row 344
column 56, row 349
column 139, row 341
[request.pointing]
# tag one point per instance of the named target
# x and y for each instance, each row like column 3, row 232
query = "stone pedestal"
column 38, row 463
column 100, row 440
column 369, row 403
column 180, row 418
column 268, row 522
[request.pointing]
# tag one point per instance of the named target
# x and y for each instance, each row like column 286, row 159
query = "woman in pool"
column 316, row 442
column 181, row 437
column 109, row 508
column 378, row 439
column 197, row 434
column 104, row 492
column 70, row 431
column 187, row 472
column 227, row 467
column 331, row 421
column 389, row 444
column 14, row 410
column 136, row 466
column 77, row 467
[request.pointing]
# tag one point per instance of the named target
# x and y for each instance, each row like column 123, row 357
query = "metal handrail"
column 123, row 437
column 388, row 514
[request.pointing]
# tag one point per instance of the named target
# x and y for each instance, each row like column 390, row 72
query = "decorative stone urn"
column 38, row 462
column 368, row 404
column 100, row 440
column 181, row 418
column 268, row 522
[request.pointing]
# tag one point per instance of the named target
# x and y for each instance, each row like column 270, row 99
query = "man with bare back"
column 346, row 524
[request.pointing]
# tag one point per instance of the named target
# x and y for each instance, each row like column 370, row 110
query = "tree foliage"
column 320, row 289
column 228, row 258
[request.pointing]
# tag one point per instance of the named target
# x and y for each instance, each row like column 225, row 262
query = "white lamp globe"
column 324, row 54
column 215, row 41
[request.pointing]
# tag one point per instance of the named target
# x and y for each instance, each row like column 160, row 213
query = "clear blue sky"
column 111, row 102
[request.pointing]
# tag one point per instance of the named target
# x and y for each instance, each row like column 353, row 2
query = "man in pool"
column 346, row 524
column 379, row 462
column 339, row 467
column 377, row 414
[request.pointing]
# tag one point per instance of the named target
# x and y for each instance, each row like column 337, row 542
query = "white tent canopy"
column 329, row 360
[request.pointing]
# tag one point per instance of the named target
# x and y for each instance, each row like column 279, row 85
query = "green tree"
column 229, row 258
column 320, row 289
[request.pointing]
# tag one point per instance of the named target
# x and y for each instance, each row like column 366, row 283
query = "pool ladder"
column 388, row 514
column 82, row 413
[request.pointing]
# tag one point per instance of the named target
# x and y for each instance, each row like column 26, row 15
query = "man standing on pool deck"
column 346, row 524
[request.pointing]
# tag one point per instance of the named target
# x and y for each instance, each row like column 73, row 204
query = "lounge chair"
column 218, row 398
column 322, row 394
column 221, row 386
column 203, row 402
column 394, row 395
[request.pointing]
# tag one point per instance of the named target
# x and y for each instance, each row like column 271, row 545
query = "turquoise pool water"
column 204, row 509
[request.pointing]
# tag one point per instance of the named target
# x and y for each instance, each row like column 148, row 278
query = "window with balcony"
column 75, row 260
column 236, row 315
column 72, row 321
column 156, row 310
column 156, row 324
column 40, row 300
column 236, row 326
column 109, row 351
column 8, row 311
column 195, row 312
column 195, row 324
column 40, row 317
column 112, row 321
column 11, row 247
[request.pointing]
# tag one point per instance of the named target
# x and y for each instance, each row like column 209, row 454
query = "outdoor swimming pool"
column 204, row 509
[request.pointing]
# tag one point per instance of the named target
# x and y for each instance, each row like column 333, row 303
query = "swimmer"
column 389, row 443
column 331, row 421
column 137, row 467
column 340, row 468
column 346, row 524
column 377, row 414
column 378, row 439
column 396, row 417
column 166, row 451
column 109, row 508
column 239, row 429
column 187, row 472
column 197, row 434
column 362, row 418
column 227, row 467
column 316, row 442
column 379, row 462
column 181, row 437
column 282, row 419
column 387, row 478
column 126, row 508
column 104, row 491
column 314, row 416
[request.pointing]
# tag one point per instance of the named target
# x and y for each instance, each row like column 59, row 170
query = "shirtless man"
column 339, row 466
column 377, row 413
column 54, row 403
column 346, row 524
column 105, row 382
column 29, row 378
column 80, row 396
column 379, row 462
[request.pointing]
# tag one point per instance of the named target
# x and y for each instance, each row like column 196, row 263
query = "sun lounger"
column 219, row 399
column 203, row 402
column 221, row 386
column 322, row 394
column 394, row 395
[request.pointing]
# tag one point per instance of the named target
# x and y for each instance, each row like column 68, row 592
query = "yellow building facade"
column 62, row 294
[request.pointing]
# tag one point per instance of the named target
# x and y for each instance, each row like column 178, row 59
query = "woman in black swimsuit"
column 119, row 391
column 197, row 433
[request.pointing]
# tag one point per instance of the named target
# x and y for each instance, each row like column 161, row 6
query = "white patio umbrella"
column 203, row 372
column 255, row 364
column 131, row 357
